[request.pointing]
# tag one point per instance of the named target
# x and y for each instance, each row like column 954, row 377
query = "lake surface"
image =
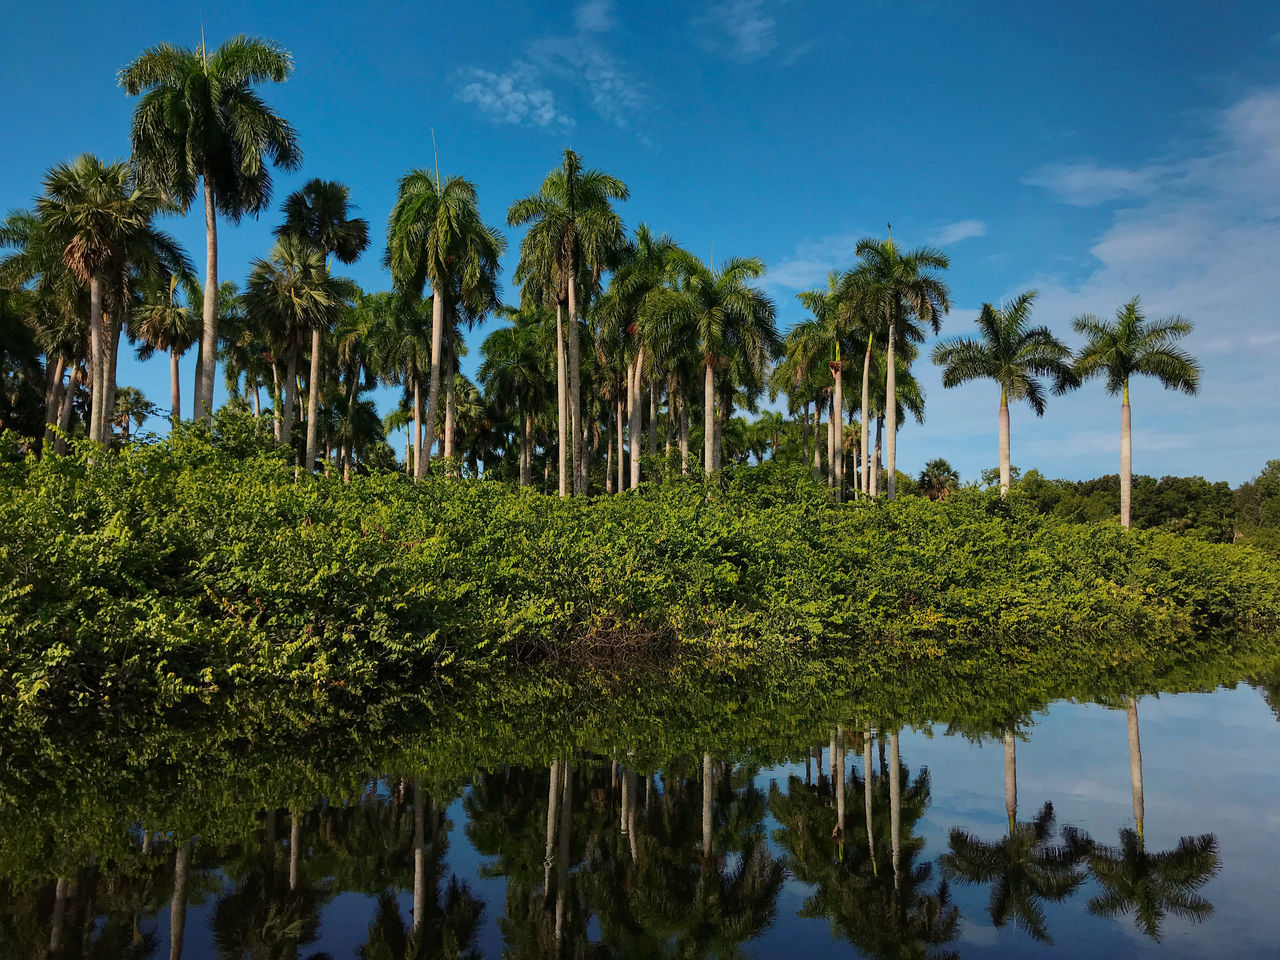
column 256, row 850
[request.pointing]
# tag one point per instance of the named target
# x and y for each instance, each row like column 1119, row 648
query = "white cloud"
column 808, row 265
column 512, row 97
column 1085, row 183
column 960, row 230
column 594, row 16
column 743, row 28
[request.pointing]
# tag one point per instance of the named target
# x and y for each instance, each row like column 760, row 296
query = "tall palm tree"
column 163, row 323
column 294, row 292
column 320, row 214
column 723, row 316
column 1133, row 345
column 573, row 219
column 514, row 373
column 435, row 234
column 1153, row 885
column 804, row 375
column 131, row 409
column 905, row 289
column 101, row 218
column 200, row 122
column 1013, row 354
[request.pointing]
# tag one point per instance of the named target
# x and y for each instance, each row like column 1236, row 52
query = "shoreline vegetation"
column 197, row 563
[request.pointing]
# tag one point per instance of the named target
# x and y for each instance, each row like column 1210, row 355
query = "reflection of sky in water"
column 1211, row 765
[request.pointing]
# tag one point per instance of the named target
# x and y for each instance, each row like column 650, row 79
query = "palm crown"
column 1132, row 345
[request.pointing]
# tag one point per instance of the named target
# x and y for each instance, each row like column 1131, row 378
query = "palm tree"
column 1131, row 345
column 514, row 373
column 164, row 324
column 905, row 289
column 435, row 234
column 723, row 316
column 1014, row 355
column 200, row 122
column 1153, row 885
column 572, row 220
column 938, row 479
column 100, row 217
column 320, row 214
column 803, row 374
column 292, row 292
column 131, row 407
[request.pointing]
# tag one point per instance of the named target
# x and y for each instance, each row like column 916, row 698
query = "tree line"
column 621, row 340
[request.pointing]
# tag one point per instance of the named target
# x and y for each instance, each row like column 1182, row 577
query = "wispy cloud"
column 1086, row 183
column 512, row 97
column 553, row 69
column 808, row 265
column 960, row 230
column 743, row 29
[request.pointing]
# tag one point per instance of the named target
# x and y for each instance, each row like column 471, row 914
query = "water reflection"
column 601, row 854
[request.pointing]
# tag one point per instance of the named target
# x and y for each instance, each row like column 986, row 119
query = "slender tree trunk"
column 684, row 432
column 450, row 411
column 891, row 415
column 178, row 903
column 831, row 441
column 709, row 417
column 60, row 892
column 113, row 332
column 562, row 399
column 708, row 786
column 1011, row 778
column 837, row 422
column 866, row 423
column 295, row 849
column 433, row 384
column 175, row 389
column 97, row 379
column 290, row 392
column 653, row 420
column 419, row 857
column 553, row 805
column 277, row 402
column 866, row 792
column 804, row 435
column 636, row 430
column 53, row 398
column 817, row 441
column 566, row 822
column 895, row 806
column 257, row 401
column 65, row 410
column 575, row 387
column 1126, row 459
column 622, row 452
column 839, row 831
column 313, row 399
column 1004, row 443
column 1135, row 767
column 526, row 452
column 203, row 402
column 877, row 465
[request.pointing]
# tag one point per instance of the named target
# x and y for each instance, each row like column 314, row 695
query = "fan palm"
column 100, row 217
column 723, row 316
column 320, row 214
column 131, row 409
column 574, row 222
column 1013, row 354
column 938, row 479
column 1132, row 345
column 435, row 234
column 200, row 122
column 904, row 288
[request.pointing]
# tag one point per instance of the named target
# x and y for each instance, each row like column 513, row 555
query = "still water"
column 1142, row 828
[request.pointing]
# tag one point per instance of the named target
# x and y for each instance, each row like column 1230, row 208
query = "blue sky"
column 1130, row 149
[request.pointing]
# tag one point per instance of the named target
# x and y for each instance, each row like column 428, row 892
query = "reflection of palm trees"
column 1025, row 868
column 1151, row 885
column 450, row 934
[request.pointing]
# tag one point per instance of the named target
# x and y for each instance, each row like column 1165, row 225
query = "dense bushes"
column 192, row 563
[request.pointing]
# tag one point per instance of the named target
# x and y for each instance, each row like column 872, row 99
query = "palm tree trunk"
column 433, row 383
column 622, row 453
column 709, row 417
column 53, row 398
column 111, row 361
column 1126, row 459
column 866, row 793
column 203, row 402
column 566, row 821
column 1135, row 766
column 839, row 831
column 562, row 399
column 257, row 401
column 653, row 420
column 1010, row 778
column 60, row 891
column 178, row 904
column 450, row 408
column 313, row 399
column 419, row 857
column 290, row 392
column 866, row 423
column 96, row 377
column 837, row 423
column 277, row 401
column 526, row 452
column 895, row 806
column 877, row 466
column 891, row 414
column 708, row 784
column 831, row 441
column 295, row 849
column 636, row 430
column 419, row 428
column 65, row 409
column 575, row 386
column 553, row 803
column 804, row 435
column 1004, row 443
column 817, row 441
column 175, row 389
